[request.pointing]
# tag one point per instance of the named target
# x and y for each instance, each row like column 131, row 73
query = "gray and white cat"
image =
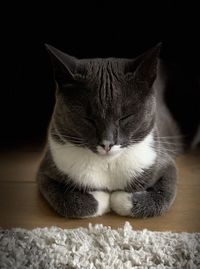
column 111, row 140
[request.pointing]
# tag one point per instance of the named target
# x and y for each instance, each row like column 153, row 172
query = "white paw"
column 103, row 199
column 121, row 202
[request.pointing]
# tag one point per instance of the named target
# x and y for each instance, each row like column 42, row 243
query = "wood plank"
column 19, row 166
column 21, row 205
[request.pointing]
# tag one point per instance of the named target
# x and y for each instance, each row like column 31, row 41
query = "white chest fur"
column 86, row 168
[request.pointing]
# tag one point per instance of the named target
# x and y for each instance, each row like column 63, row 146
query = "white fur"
column 103, row 199
column 113, row 172
column 121, row 203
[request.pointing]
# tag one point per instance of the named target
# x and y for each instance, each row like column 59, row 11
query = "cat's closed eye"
column 126, row 118
column 90, row 121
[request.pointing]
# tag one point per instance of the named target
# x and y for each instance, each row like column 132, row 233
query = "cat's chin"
column 115, row 151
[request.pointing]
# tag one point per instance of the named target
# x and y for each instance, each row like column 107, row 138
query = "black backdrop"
column 97, row 29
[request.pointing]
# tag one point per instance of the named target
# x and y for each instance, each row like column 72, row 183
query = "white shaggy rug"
column 98, row 247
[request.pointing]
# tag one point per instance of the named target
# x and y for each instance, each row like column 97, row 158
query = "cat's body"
column 111, row 141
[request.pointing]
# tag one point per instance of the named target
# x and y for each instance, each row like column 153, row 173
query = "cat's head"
column 103, row 104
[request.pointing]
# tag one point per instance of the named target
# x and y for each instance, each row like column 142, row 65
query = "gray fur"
column 92, row 95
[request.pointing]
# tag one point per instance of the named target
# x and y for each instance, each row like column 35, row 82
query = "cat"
column 112, row 142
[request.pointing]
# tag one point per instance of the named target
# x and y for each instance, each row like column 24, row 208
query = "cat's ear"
column 64, row 65
column 144, row 67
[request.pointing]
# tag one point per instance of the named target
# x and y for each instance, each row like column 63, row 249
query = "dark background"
column 96, row 29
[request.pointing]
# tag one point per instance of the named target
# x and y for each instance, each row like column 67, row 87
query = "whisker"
column 67, row 136
column 69, row 146
column 168, row 141
column 172, row 136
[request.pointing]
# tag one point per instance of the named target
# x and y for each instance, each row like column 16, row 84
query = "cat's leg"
column 148, row 203
column 73, row 203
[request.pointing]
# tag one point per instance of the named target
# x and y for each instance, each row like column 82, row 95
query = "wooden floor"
column 21, row 205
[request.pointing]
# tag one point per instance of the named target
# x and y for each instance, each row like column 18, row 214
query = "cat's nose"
column 106, row 145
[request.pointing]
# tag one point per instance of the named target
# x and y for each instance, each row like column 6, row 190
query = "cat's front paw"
column 121, row 203
column 103, row 200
